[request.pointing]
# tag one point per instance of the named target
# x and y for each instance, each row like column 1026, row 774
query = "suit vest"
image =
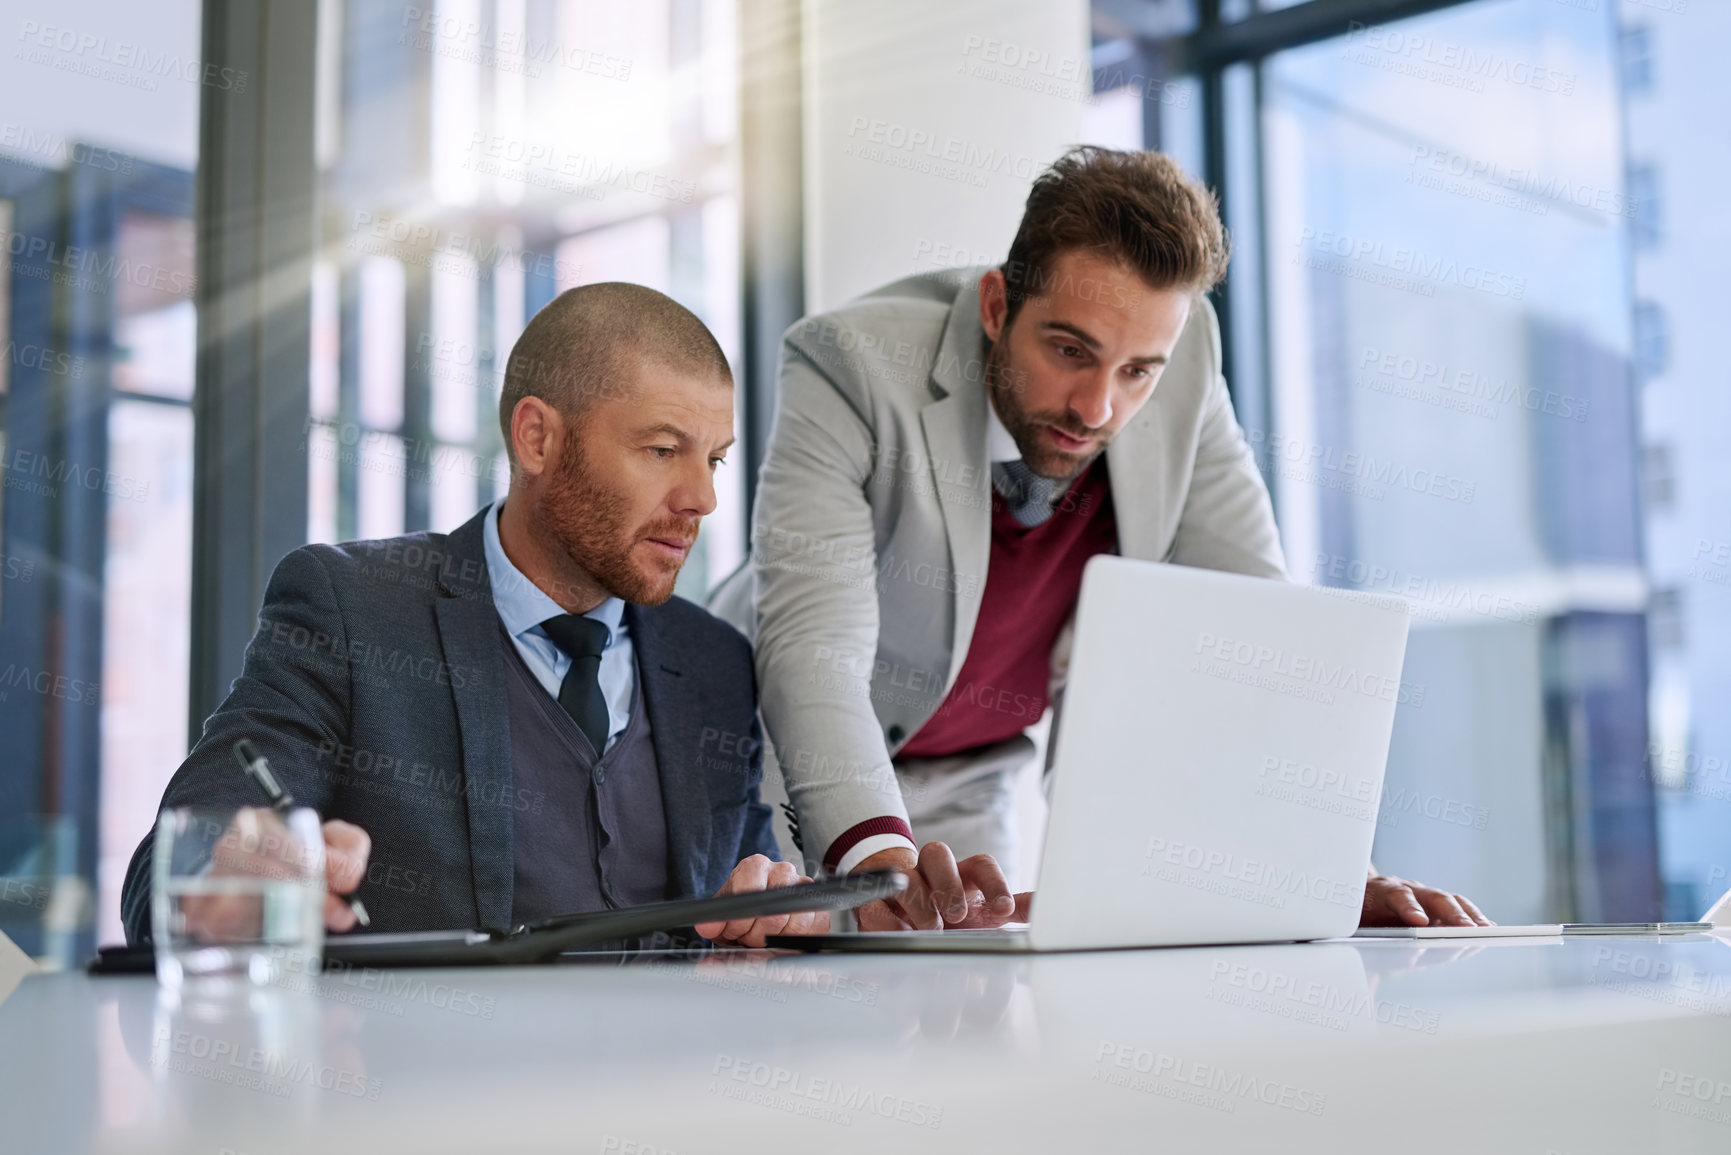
column 593, row 835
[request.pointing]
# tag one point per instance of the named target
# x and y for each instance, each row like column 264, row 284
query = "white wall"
column 925, row 123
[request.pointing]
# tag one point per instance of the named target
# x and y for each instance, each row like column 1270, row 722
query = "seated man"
column 517, row 719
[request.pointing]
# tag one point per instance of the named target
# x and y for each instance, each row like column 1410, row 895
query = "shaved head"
column 594, row 342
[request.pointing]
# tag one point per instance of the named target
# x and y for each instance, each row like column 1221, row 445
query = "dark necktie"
column 580, row 693
column 1028, row 495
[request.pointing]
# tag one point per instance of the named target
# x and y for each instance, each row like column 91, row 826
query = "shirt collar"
column 1000, row 445
column 523, row 605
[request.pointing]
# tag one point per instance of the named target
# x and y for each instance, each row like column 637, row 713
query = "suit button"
column 895, row 734
column 600, row 776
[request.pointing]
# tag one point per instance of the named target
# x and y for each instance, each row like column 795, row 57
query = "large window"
column 472, row 159
column 476, row 158
column 1468, row 333
column 1451, row 422
column 97, row 153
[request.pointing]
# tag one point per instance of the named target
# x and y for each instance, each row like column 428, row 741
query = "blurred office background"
column 264, row 261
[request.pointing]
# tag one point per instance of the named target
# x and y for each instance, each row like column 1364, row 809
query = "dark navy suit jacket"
column 376, row 687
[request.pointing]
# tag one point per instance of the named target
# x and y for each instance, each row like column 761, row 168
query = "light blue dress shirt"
column 523, row 606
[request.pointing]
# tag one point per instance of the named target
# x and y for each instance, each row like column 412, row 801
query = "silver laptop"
column 1219, row 760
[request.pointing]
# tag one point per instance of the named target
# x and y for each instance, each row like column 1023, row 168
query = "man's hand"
column 347, row 848
column 942, row 893
column 1392, row 901
column 759, row 873
column 258, row 845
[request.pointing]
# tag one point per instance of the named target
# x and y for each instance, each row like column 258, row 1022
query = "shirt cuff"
column 866, row 847
column 865, row 839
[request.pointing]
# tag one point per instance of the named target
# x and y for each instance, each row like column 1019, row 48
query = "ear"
column 537, row 429
column 994, row 302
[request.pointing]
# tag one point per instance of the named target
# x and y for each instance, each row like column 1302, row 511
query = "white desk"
column 1601, row 1045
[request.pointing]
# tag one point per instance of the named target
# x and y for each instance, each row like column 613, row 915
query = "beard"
column 1007, row 384
column 589, row 521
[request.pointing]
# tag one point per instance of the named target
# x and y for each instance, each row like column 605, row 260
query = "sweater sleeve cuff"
column 865, row 839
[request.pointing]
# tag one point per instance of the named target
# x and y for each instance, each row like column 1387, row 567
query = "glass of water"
column 239, row 893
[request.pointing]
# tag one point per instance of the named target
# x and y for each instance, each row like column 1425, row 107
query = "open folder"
column 543, row 941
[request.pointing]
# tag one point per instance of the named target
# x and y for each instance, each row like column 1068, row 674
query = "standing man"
column 949, row 452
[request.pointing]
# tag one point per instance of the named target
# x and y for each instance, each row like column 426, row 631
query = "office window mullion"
column 419, row 446
column 348, row 400
column 255, row 244
column 488, row 360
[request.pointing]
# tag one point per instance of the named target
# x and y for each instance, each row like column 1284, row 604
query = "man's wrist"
column 902, row 858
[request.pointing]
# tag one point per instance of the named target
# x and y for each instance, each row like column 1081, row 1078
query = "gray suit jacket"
column 376, row 687
column 872, row 528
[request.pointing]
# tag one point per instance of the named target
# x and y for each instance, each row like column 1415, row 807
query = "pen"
column 281, row 801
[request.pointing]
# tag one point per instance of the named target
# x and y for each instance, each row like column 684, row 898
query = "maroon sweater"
column 1032, row 581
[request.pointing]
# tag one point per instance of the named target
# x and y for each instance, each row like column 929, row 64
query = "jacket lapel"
column 675, row 733
column 1134, row 491
column 955, row 431
column 469, row 634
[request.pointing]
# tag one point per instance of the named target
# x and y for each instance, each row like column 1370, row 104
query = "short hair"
column 592, row 341
column 1137, row 208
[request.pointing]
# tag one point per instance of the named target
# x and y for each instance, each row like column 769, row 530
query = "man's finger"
column 979, row 919
column 1467, row 905
column 338, row 916
column 948, row 896
column 808, row 922
column 749, row 875
column 1393, row 898
column 761, row 928
column 880, row 915
column 1442, row 907
column 982, row 873
column 780, row 874
column 914, row 904
column 257, row 844
column 221, row 918
column 347, row 848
